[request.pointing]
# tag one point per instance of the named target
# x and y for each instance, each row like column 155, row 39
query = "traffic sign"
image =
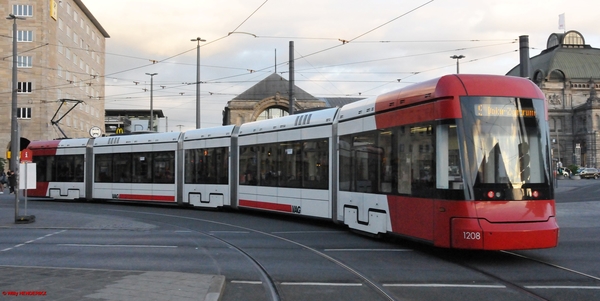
column 26, row 155
column 95, row 132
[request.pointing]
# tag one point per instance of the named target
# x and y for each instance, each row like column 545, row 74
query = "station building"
column 568, row 72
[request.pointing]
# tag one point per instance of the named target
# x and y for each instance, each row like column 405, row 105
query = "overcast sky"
column 387, row 41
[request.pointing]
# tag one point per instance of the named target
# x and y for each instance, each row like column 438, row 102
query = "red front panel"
column 412, row 216
column 500, row 225
column 483, row 225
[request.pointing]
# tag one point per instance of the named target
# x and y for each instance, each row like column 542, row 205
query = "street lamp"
column 14, row 126
column 151, row 127
column 457, row 57
column 198, row 125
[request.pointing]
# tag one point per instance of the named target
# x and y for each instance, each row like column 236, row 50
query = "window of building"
column 25, row 36
column 271, row 113
column 23, row 113
column 61, row 25
column 24, row 87
column 24, row 61
column 21, row 10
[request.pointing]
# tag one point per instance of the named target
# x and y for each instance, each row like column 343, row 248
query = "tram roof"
column 62, row 143
column 207, row 133
column 301, row 120
column 137, row 139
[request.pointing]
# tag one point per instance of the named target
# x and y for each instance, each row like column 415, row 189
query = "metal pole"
column 151, row 127
column 457, row 57
column 14, row 126
column 291, row 92
column 198, row 107
column 524, row 56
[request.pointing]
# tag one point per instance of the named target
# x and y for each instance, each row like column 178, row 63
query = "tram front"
column 507, row 164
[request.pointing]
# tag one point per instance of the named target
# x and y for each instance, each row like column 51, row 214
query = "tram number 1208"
column 472, row 235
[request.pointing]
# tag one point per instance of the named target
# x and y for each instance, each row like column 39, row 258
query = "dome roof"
column 567, row 56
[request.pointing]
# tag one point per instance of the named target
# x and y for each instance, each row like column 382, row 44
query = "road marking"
column 33, row 240
column 246, row 282
column 444, row 285
column 321, row 284
column 306, row 232
column 563, row 287
column 116, row 246
column 368, row 250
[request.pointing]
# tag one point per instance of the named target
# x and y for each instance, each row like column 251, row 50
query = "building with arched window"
column 268, row 99
column 568, row 72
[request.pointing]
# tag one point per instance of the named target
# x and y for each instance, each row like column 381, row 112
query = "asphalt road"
column 276, row 257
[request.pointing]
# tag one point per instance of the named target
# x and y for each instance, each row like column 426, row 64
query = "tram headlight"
column 494, row 194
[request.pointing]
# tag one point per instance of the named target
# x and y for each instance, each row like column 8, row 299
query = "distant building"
column 61, row 50
column 270, row 99
column 133, row 120
column 568, row 72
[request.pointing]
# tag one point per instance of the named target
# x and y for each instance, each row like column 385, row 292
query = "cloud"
column 394, row 40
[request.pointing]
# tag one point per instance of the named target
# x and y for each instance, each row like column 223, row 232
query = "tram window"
column 163, row 166
column 290, row 164
column 122, row 168
column 78, row 171
column 248, row 168
column 268, row 165
column 67, row 169
column 103, row 168
column 316, row 164
column 449, row 174
column 207, row 166
column 142, row 164
column 294, row 164
column 363, row 161
column 416, row 158
column 345, row 162
column 45, row 168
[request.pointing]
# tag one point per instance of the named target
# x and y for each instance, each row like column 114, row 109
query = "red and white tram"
column 462, row 161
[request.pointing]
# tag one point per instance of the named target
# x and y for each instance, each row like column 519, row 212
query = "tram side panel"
column 286, row 167
column 136, row 168
column 60, row 168
column 206, row 167
column 363, row 180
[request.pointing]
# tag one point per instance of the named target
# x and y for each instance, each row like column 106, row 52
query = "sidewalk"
column 50, row 283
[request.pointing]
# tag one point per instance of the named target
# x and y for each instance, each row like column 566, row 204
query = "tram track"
column 269, row 283
column 488, row 267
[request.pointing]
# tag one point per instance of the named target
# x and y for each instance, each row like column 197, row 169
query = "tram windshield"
column 506, row 140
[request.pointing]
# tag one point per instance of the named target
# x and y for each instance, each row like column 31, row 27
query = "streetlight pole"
column 151, row 127
column 14, row 126
column 457, row 58
column 198, row 39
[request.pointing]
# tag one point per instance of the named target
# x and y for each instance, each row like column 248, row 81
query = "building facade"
column 60, row 74
column 267, row 99
column 568, row 72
